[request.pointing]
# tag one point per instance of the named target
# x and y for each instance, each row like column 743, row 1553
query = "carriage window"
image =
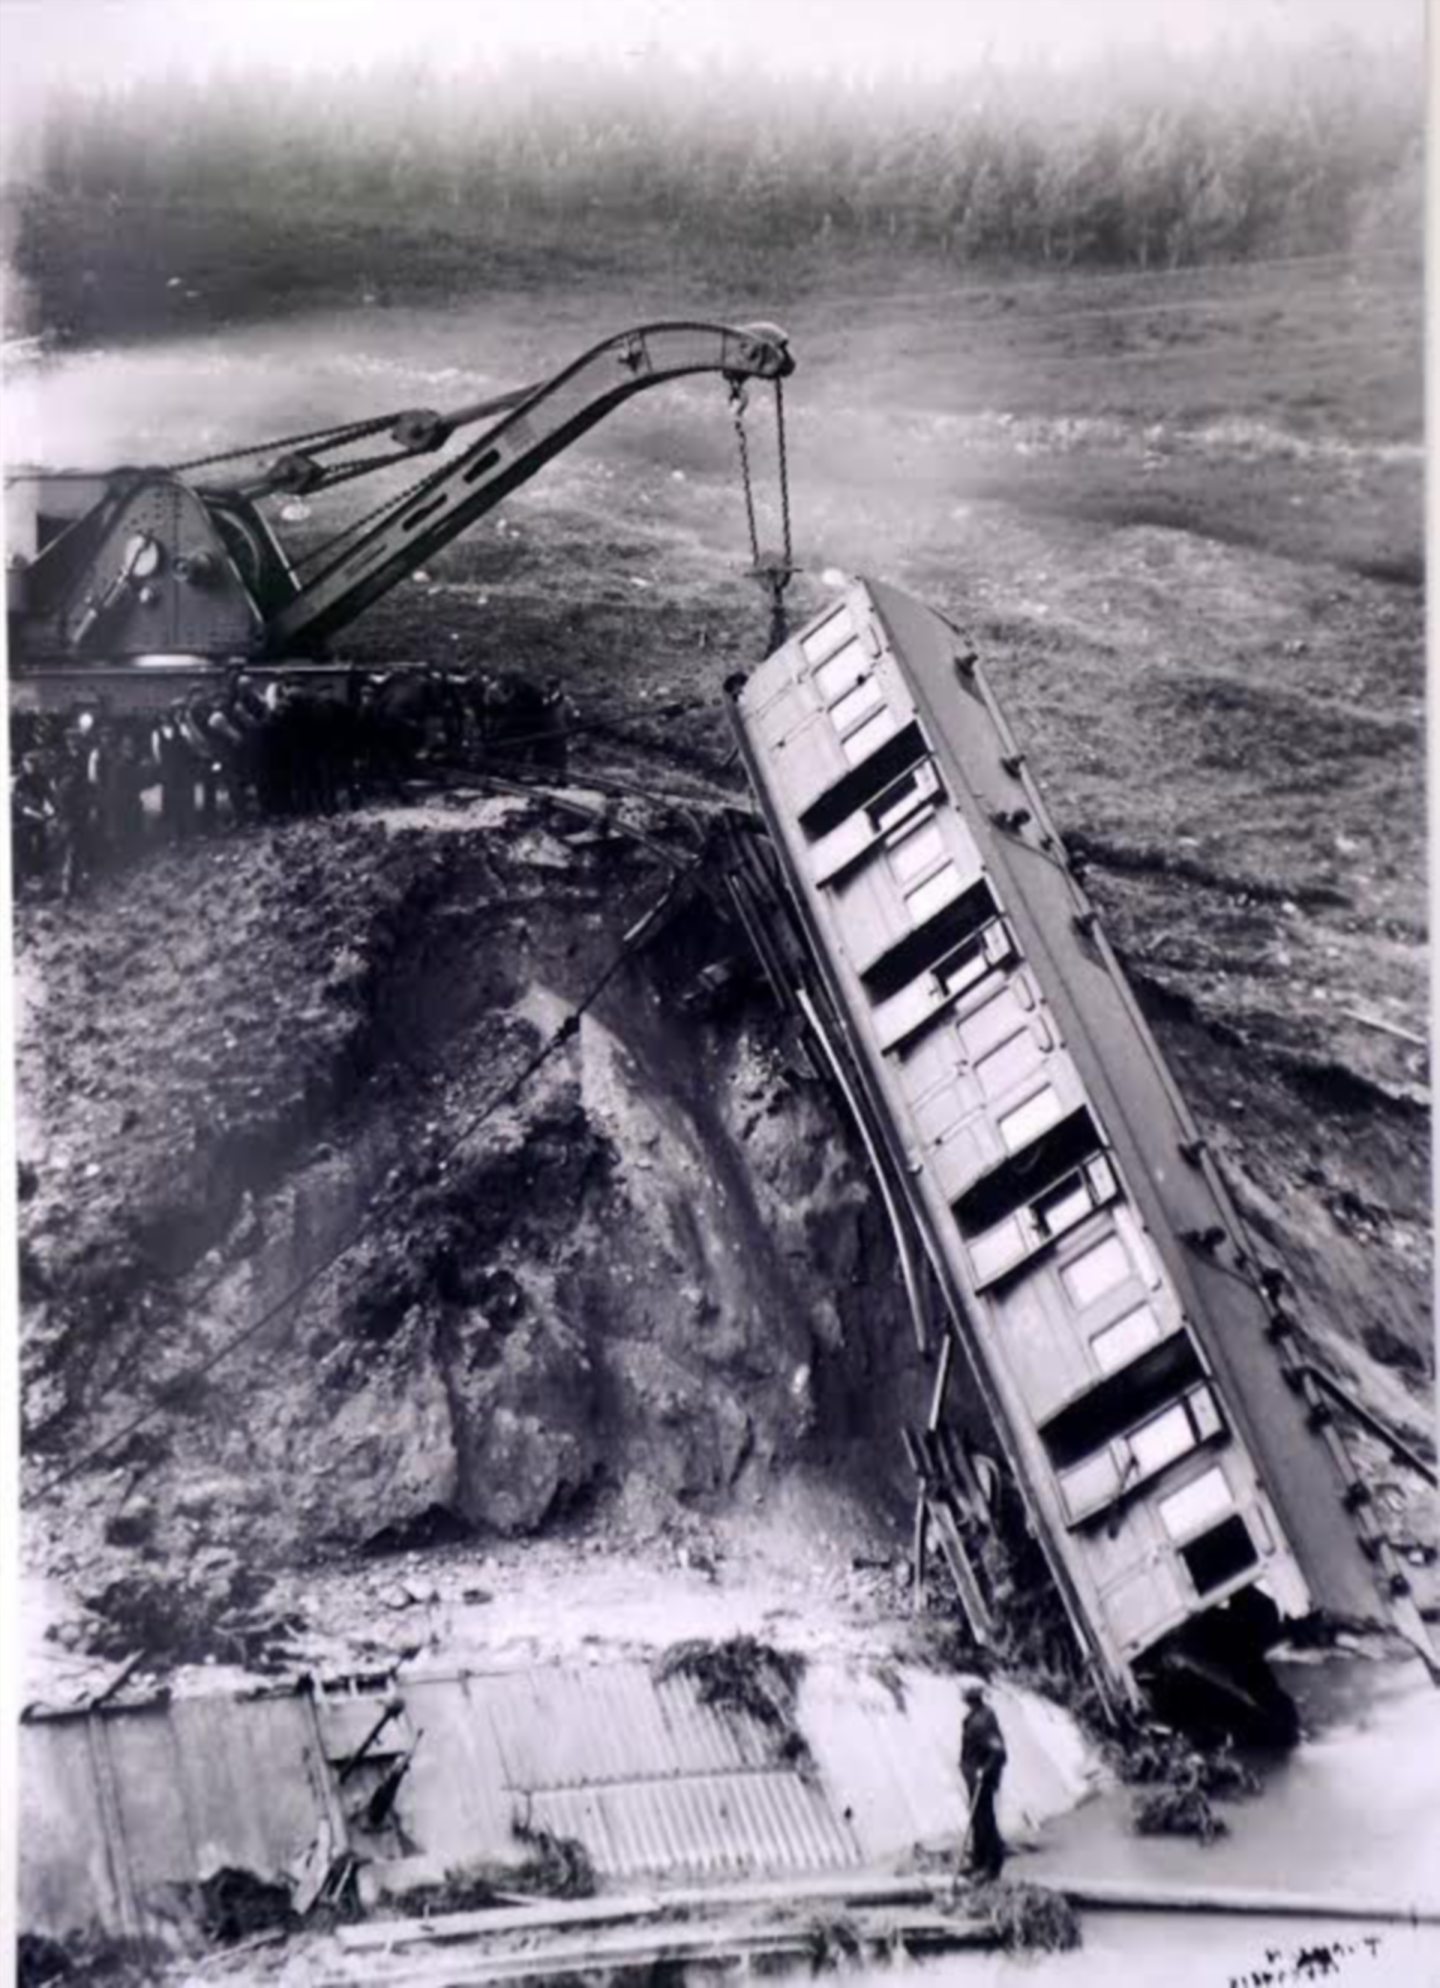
column 828, row 637
column 1201, row 1502
column 1086, row 1432
column 1129, row 1398
column 1009, row 1064
column 963, row 969
column 1029, row 1120
column 1062, row 1210
column 1219, row 1555
column 968, row 963
column 863, row 697
column 872, row 734
column 1159, row 1442
column 940, row 938
column 864, row 785
column 1119, row 1343
column 1021, row 1204
column 933, row 895
column 1101, row 1267
column 917, row 850
column 903, row 798
column 1049, row 1165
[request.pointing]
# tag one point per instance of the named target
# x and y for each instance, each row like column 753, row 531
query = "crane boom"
column 555, row 414
column 143, row 569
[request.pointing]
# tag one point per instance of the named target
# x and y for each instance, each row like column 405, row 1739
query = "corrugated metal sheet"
column 123, row 1805
column 702, row 1826
column 562, row 1727
column 651, row 1781
column 67, row 1869
column 120, row 1807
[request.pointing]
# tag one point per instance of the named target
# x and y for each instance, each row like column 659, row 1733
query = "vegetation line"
column 411, row 177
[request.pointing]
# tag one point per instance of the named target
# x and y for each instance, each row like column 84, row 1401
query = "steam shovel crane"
column 123, row 581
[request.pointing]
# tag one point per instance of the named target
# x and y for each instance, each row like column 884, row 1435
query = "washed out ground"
column 625, row 1355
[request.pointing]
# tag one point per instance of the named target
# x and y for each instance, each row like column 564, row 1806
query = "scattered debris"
column 233, row 1904
column 1178, row 1811
column 1181, row 1783
column 943, row 1642
column 834, row 1940
column 86, row 1960
column 117, row 1681
column 1026, row 1918
column 1155, row 1757
column 211, row 1613
column 747, row 1676
column 557, row 1867
column 466, row 1888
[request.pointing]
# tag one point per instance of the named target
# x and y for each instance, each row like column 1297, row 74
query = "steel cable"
column 377, row 1210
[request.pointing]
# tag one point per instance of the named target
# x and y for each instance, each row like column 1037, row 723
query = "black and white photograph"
column 717, row 1121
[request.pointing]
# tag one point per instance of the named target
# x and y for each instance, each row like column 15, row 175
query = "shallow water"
column 1353, row 1813
column 1175, row 1950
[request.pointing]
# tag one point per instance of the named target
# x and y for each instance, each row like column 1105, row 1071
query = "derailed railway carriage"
column 1176, row 1454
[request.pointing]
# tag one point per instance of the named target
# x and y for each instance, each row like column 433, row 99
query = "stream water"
column 1352, row 1815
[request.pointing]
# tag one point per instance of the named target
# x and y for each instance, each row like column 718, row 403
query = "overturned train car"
column 1179, row 1461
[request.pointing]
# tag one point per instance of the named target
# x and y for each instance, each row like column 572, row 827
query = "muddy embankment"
column 649, row 1280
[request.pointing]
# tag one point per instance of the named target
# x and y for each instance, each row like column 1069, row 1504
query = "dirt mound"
column 649, row 1275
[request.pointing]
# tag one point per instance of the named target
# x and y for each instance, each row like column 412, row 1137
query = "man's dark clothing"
column 32, row 814
column 982, row 1762
column 177, row 778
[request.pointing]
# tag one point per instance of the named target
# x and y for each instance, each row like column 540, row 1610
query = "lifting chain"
column 305, row 560
column 333, row 437
column 772, row 572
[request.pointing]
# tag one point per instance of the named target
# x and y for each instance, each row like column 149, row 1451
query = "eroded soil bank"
column 643, row 1282
column 340, row 1238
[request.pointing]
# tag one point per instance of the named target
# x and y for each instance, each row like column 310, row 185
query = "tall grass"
column 1134, row 160
column 1137, row 161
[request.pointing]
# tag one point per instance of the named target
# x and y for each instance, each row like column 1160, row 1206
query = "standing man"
column 192, row 721
column 78, row 783
column 177, row 775
column 32, row 817
column 552, row 748
column 982, row 1762
column 122, row 785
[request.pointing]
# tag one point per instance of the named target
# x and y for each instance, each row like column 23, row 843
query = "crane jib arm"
column 454, row 495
